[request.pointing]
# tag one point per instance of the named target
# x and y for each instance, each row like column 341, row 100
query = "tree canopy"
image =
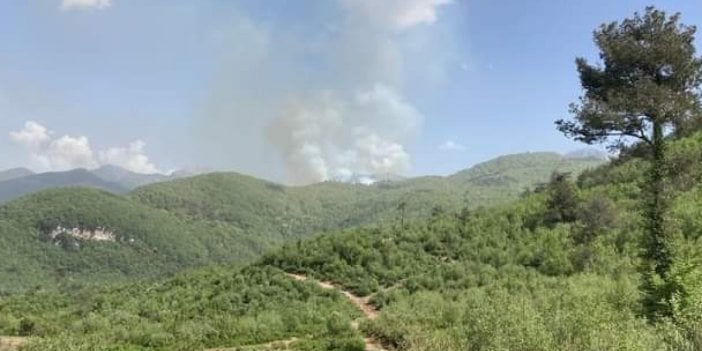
column 650, row 74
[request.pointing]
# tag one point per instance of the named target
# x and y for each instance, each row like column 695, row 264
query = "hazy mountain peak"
column 14, row 173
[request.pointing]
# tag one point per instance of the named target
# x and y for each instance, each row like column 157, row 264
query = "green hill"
column 289, row 212
column 514, row 277
column 221, row 218
column 46, row 240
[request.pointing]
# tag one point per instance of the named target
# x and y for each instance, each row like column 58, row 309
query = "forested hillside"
column 270, row 208
column 53, row 238
column 219, row 218
column 556, row 270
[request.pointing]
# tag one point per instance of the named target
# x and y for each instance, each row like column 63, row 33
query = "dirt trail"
column 362, row 303
column 273, row 345
column 11, row 343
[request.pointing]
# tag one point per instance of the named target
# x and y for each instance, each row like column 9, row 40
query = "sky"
column 297, row 91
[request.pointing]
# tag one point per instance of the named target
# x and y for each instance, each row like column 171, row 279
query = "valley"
column 224, row 218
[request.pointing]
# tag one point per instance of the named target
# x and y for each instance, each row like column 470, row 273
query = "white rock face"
column 98, row 234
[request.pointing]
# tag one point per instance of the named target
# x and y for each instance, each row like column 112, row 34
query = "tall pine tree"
column 646, row 87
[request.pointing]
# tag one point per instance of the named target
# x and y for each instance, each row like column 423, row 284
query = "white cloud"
column 85, row 4
column 68, row 152
column 32, row 135
column 131, row 158
column 450, row 145
column 399, row 14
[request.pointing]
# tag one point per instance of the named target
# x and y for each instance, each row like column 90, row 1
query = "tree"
column 596, row 215
column 562, row 204
column 402, row 207
column 646, row 88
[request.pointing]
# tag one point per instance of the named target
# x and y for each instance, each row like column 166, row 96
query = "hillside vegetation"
column 555, row 270
column 147, row 242
column 221, row 218
column 289, row 212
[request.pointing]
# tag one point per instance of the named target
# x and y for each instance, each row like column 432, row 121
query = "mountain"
column 14, row 173
column 289, row 212
column 219, row 218
column 126, row 178
column 110, row 178
column 502, row 278
column 17, row 187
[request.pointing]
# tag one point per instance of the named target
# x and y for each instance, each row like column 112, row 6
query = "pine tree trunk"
column 657, row 206
column 656, row 256
column 402, row 221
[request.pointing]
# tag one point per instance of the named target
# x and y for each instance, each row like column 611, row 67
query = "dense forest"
column 225, row 218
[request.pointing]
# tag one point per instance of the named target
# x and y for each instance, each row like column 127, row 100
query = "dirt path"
column 362, row 303
column 273, row 345
column 11, row 343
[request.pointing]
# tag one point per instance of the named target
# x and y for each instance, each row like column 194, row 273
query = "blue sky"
column 294, row 91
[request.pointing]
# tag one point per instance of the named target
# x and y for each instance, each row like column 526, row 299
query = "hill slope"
column 292, row 211
column 79, row 235
column 506, row 278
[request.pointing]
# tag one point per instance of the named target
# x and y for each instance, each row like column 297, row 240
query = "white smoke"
column 365, row 127
column 398, row 14
column 69, row 152
column 325, row 136
column 332, row 105
column 85, row 4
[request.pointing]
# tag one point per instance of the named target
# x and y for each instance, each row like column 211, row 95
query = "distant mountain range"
column 17, row 182
column 14, row 173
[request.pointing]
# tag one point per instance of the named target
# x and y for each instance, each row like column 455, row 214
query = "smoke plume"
column 330, row 106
